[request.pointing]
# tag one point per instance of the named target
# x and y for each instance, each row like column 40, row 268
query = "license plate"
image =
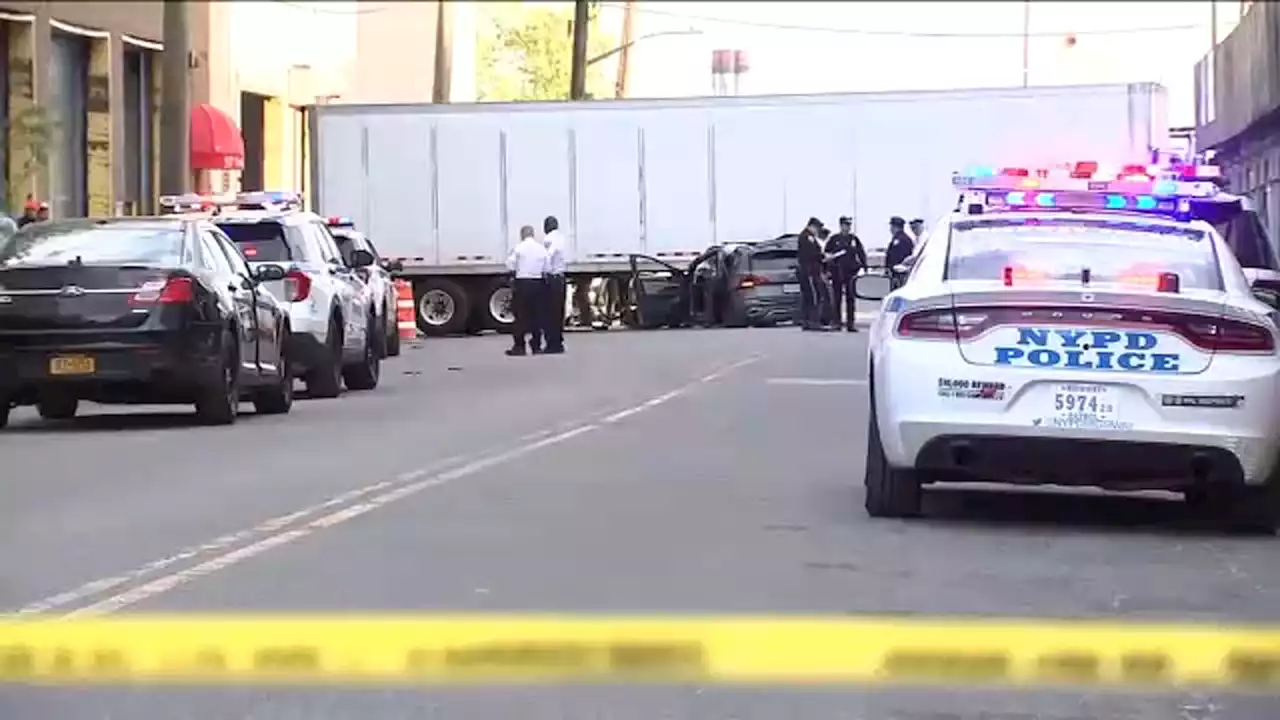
column 791, row 288
column 72, row 365
column 1083, row 405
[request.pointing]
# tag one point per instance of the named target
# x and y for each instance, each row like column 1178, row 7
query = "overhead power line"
column 645, row 9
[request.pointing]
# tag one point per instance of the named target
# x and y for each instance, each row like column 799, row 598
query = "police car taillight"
column 937, row 324
column 1229, row 336
column 1168, row 283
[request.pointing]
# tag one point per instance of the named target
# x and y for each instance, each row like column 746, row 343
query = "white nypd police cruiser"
column 1071, row 330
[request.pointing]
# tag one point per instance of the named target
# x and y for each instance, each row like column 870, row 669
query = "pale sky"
column 810, row 47
column 813, row 47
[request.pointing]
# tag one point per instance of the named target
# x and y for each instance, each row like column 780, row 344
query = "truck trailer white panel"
column 447, row 187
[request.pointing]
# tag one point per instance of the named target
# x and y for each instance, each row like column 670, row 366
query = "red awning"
column 216, row 143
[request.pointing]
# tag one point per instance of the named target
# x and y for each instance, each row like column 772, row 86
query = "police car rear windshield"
column 1060, row 249
column 259, row 241
column 770, row 260
column 93, row 244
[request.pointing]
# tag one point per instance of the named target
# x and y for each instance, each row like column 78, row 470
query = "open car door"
column 705, row 276
column 658, row 294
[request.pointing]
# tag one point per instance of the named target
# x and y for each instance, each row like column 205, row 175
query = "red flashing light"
column 1084, row 169
column 297, row 286
column 173, row 291
column 1168, row 283
column 1008, row 276
column 1016, row 172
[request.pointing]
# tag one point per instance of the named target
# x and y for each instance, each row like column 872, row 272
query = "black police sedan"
column 138, row 310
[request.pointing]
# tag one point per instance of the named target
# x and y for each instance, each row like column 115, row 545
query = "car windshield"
column 96, row 244
column 260, row 242
column 346, row 242
column 778, row 259
column 1061, row 249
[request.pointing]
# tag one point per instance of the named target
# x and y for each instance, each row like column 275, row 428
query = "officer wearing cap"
column 917, row 231
column 809, row 271
column 845, row 257
column 900, row 248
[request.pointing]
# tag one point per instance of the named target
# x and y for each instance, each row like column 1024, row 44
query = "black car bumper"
column 141, row 367
column 772, row 310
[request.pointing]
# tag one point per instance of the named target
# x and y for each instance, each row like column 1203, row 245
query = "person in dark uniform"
column 809, row 268
column 900, row 248
column 555, row 290
column 528, row 262
column 846, row 257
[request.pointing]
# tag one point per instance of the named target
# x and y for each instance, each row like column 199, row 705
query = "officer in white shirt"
column 555, row 291
column 528, row 261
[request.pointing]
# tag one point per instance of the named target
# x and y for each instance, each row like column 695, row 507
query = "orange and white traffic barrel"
column 404, row 311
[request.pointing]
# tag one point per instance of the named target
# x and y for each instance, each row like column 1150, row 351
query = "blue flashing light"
column 1045, row 199
column 1146, row 202
column 981, row 171
column 1017, row 197
column 1117, row 202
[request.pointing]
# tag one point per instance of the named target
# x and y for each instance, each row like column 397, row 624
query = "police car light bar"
column 269, row 199
column 338, row 221
column 193, row 202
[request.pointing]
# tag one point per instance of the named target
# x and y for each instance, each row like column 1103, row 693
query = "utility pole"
column 1026, row 43
column 581, row 20
column 1213, row 25
column 624, row 58
column 175, row 100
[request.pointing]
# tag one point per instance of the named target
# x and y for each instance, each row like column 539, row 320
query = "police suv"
column 1071, row 327
column 336, row 336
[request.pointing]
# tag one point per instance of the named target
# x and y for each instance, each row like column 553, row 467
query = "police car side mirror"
column 361, row 258
column 268, row 273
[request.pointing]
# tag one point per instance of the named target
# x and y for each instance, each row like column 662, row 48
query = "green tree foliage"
column 525, row 52
column 31, row 130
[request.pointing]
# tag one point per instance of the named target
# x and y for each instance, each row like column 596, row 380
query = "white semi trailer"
column 444, row 189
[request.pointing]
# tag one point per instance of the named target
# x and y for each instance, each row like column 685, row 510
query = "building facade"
column 81, row 96
column 1238, row 109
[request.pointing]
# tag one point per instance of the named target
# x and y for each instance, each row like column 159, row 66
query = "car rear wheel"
column 219, row 401
column 57, row 406
column 277, row 398
column 393, row 334
column 364, row 374
column 890, row 492
column 1254, row 510
column 325, row 380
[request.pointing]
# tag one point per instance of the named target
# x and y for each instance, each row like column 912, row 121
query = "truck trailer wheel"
column 499, row 311
column 442, row 306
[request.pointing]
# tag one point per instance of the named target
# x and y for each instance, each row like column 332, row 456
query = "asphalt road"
column 671, row 471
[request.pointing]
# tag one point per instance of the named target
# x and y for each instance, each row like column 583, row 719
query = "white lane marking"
column 816, row 381
column 269, row 534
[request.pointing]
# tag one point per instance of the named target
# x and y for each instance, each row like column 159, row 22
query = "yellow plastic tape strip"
column 300, row 649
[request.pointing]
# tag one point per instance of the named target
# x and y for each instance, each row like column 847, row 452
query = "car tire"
column 364, row 375
column 218, row 403
column 57, row 406
column 1247, row 510
column 6, row 406
column 890, row 492
column 277, row 398
column 325, row 380
column 393, row 334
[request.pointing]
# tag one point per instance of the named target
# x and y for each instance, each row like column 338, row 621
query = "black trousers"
column 815, row 300
column 528, row 299
column 842, row 297
column 807, row 301
column 553, row 322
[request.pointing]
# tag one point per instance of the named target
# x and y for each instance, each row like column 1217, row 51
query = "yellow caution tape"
column 714, row 649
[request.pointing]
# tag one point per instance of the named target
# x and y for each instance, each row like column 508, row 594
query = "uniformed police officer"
column 917, row 231
column 553, row 325
column 900, row 248
column 846, row 258
column 809, row 272
column 528, row 262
